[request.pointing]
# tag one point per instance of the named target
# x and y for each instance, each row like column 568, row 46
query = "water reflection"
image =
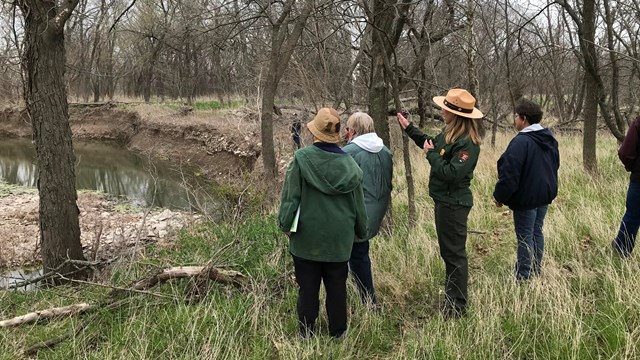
column 16, row 277
column 109, row 169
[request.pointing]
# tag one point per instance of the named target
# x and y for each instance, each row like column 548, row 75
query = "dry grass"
column 585, row 305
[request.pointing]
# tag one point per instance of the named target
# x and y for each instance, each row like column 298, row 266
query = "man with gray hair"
column 375, row 160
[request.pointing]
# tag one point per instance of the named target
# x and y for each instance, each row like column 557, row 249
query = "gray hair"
column 361, row 123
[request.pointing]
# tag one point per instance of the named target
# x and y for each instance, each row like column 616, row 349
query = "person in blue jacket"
column 528, row 183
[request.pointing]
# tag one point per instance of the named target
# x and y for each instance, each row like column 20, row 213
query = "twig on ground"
column 222, row 276
column 120, row 288
column 45, row 314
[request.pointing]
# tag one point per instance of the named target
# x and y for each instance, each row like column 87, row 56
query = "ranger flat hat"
column 459, row 102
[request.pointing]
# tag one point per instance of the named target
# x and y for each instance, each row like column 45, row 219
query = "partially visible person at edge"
column 325, row 184
column 628, row 154
column 295, row 130
column 528, row 183
column 453, row 155
column 369, row 152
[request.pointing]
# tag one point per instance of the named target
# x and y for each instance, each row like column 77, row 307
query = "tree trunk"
column 494, row 113
column 591, row 107
column 266, row 126
column 472, row 79
column 615, row 74
column 146, row 85
column 589, row 158
column 46, row 100
column 378, row 94
column 422, row 112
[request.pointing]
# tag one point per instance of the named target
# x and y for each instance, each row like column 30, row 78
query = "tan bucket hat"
column 326, row 125
column 459, row 102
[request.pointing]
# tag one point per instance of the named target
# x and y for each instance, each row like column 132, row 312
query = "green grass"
column 586, row 305
column 10, row 189
column 205, row 105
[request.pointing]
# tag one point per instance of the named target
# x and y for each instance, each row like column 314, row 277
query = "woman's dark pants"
column 360, row 266
column 334, row 276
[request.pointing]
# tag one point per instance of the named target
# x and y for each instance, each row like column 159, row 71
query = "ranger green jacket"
column 452, row 167
column 327, row 186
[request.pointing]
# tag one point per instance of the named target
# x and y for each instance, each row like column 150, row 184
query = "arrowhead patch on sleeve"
column 463, row 156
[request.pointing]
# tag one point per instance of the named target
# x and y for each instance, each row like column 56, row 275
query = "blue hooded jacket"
column 528, row 171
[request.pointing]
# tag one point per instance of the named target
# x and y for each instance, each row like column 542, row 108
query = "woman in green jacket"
column 322, row 211
column 453, row 155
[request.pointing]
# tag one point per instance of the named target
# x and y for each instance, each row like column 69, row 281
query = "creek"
column 110, row 169
column 15, row 277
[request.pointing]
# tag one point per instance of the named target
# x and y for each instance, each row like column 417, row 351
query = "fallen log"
column 218, row 275
column 46, row 314
column 197, row 272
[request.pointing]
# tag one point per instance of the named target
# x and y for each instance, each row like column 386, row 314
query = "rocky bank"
column 107, row 228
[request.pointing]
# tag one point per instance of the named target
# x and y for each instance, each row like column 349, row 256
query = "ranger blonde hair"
column 461, row 126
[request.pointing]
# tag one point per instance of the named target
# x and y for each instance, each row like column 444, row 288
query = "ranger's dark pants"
column 451, row 228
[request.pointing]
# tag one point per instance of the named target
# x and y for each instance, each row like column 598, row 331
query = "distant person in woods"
column 368, row 150
column 295, row 130
column 628, row 153
column 322, row 211
column 453, row 155
column 527, row 183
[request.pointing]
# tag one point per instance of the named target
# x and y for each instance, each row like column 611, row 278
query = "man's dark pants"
column 334, row 276
column 451, row 228
column 360, row 266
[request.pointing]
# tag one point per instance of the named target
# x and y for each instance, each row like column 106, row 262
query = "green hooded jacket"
column 376, row 163
column 327, row 187
column 452, row 167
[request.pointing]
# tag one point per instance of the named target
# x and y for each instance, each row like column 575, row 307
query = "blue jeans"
column 528, row 225
column 626, row 239
column 360, row 266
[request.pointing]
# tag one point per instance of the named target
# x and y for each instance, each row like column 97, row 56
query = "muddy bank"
column 106, row 225
column 223, row 146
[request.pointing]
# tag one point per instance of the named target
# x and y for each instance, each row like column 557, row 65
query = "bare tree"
column 283, row 42
column 586, row 32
